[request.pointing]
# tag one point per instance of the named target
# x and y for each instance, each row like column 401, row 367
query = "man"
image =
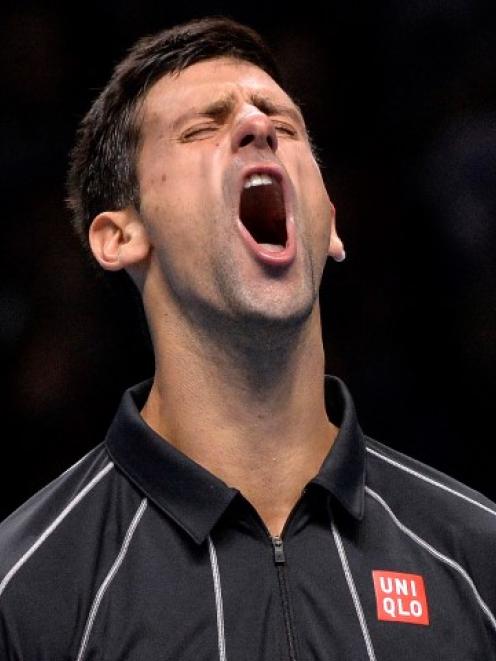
column 235, row 510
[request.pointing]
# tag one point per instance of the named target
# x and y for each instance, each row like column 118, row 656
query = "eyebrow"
column 224, row 105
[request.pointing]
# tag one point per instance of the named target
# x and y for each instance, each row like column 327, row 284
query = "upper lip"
column 279, row 174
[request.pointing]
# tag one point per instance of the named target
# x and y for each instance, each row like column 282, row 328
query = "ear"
column 118, row 239
column 336, row 248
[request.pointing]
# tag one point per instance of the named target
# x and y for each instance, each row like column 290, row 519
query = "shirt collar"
column 195, row 498
column 342, row 473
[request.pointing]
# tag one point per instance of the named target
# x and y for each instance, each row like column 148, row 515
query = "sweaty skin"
column 238, row 385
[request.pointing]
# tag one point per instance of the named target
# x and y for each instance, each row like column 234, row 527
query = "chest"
column 319, row 593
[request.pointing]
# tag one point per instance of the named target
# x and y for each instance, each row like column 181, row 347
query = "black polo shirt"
column 137, row 553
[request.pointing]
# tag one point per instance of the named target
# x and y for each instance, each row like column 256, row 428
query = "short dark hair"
column 102, row 174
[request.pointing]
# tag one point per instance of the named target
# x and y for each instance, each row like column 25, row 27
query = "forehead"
column 207, row 81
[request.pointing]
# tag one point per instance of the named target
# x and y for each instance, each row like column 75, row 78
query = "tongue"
column 272, row 247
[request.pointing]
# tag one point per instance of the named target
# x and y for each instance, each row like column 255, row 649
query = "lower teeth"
column 272, row 247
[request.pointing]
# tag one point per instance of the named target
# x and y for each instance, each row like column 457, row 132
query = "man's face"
column 239, row 245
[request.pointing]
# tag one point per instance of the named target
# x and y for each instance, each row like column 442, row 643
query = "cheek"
column 167, row 204
column 172, row 233
column 314, row 200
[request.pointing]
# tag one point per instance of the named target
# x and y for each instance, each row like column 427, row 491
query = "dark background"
column 401, row 99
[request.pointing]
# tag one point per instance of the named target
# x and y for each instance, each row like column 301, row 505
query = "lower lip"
column 277, row 257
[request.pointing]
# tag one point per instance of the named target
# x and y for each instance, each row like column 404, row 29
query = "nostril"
column 249, row 137
column 246, row 140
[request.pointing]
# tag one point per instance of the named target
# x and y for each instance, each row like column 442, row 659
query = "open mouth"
column 262, row 210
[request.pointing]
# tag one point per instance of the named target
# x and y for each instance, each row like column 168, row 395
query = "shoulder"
column 429, row 504
column 40, row 516
column 393, row 470
column 47, row 547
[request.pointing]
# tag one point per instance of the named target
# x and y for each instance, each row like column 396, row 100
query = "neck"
column 251, row 411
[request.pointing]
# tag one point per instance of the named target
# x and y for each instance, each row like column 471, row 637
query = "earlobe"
column 336, row 247
column 118, row 239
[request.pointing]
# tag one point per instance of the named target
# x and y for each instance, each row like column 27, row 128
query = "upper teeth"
column 258, row 180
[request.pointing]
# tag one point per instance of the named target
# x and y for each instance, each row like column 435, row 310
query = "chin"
column 276, row 314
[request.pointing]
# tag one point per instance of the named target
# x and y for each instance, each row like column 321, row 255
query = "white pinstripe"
column 109, row 577
column 79, row 461
column 48, row 531
column 218, row 601
column 430, row 480
column 354, row 593
column 437, row 554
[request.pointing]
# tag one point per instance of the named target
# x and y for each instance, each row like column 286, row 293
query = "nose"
column 255, row 128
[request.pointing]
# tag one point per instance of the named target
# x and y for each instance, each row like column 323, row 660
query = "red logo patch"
column 400, row 597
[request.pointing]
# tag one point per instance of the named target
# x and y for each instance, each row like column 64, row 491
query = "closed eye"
column 284, row 128
column 198, row 131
